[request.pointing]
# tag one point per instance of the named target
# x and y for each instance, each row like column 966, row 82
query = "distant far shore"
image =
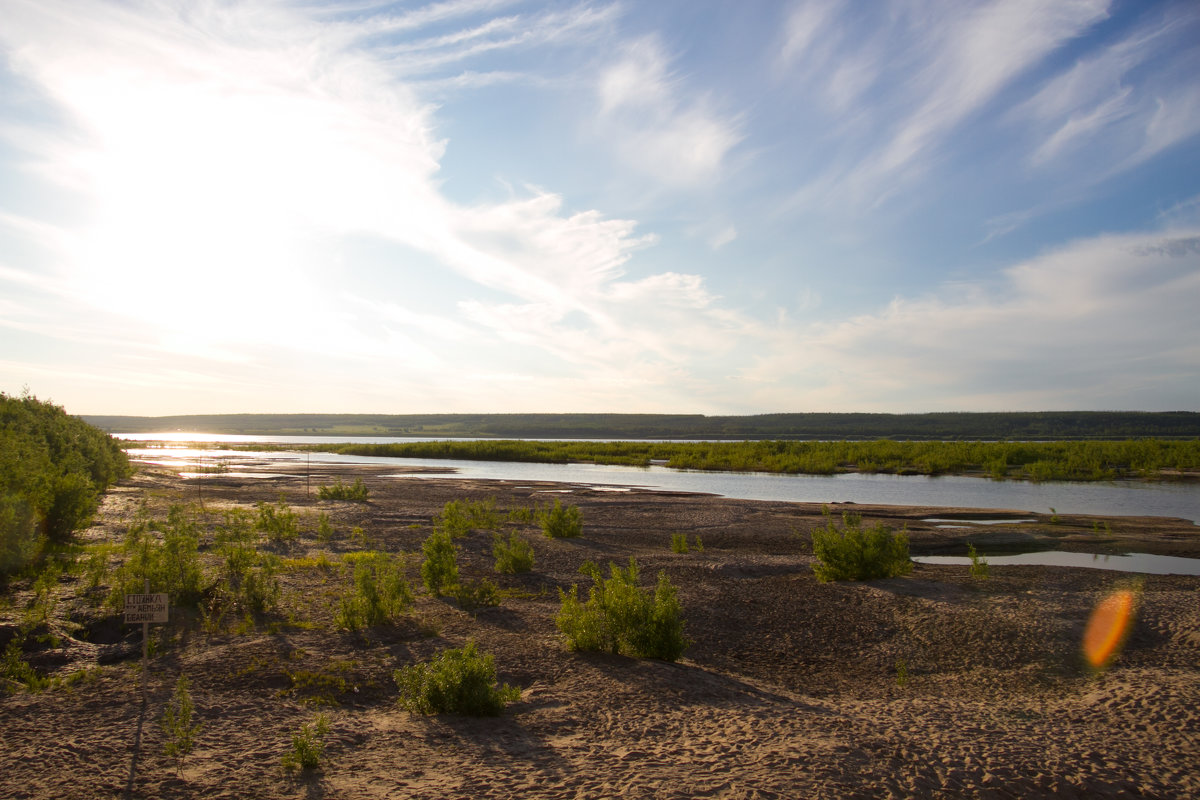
column 1015, row 425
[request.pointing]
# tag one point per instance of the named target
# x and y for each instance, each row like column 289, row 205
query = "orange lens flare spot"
column 1108, row 627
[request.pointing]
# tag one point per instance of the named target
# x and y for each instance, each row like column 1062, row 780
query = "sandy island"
column 930, row 685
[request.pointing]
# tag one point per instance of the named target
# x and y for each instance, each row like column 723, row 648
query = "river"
column 1124, row 498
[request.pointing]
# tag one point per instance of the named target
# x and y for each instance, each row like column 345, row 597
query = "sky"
column 677, row 206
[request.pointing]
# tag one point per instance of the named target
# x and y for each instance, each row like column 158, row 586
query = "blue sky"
column 503, row 206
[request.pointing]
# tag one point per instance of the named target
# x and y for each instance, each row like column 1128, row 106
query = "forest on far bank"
column 1008, row 425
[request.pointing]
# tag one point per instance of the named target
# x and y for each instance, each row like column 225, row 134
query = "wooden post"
column 145, row 649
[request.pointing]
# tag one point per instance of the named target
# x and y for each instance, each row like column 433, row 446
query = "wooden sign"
column 145, row 608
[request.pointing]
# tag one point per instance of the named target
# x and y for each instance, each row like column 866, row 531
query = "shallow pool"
column 1145, row 563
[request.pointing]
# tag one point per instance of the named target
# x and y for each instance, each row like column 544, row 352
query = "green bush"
column 180, row 730
column 460, row 517
column 459, row 681
column 439, row 571
column 521, row 514
column 171, row 561
column 380, row 594
column 308, row 745
column 854, row 554
column 53, row 468
column 679, row 543
column 15, row 671
column 560, row 522
column 249, row 578
column 355, row 492
column 979, row 564
column 619, row 617
column 513, row 556
column 324, row 528
column 474, row 595
column 278, row 522
column 20, row 541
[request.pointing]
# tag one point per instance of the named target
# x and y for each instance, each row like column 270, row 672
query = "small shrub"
column 698, row 546
column 249, row 579
column 324, row 528
column 380, row 594
column 679, row 543
column 15, row 671
column 180, row 730
column 619, row 617
column 317, row 688
column 308, row 745
column 460, row 517
column 95, row 563
column 979, row 564
column 854, row 554
column 901, row 673
column 474, row 595
column 359, row 537
column 522, row 514
column 278, row 522
column 513, row 556
column 356, row 492
column 439, row 571
column 560, row 522
column 171, row 563
column 459, row 681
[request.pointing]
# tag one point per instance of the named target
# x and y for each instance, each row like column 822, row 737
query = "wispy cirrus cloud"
column 1132, row 99
column 930, row 66
column 657, row 126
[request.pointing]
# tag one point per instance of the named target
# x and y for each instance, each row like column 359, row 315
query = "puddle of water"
column 1145, row 563
column 208, row 475
column 966, row 523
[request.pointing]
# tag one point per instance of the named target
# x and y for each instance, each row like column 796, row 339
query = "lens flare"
column 1108, row 627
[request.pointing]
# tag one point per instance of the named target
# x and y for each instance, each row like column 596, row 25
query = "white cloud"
column 806, row 25
column 679, row 142
column 1100, row 323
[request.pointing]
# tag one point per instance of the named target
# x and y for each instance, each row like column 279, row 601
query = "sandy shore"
column 930, row 685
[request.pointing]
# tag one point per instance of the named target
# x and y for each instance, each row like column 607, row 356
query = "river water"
column 1129, row 498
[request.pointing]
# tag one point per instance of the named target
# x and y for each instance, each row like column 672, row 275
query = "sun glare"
column 1108, row 627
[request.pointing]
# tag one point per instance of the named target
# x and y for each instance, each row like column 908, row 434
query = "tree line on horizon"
column 1011, row 425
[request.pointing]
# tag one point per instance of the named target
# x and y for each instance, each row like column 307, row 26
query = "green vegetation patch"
column 379, row 595
column 439, row 570
column 308, row 745
column 459, row 681
column 851, row 553
column 559, row 521
column 513, row 556
column 460, row 517
column 53, row 469
column 356, row 492
column 619, row 617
